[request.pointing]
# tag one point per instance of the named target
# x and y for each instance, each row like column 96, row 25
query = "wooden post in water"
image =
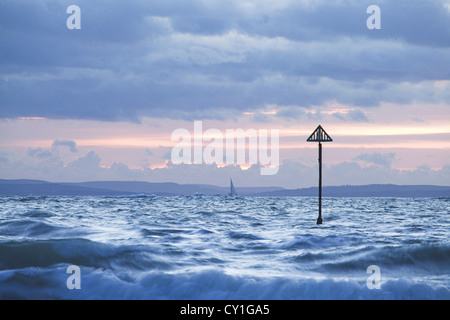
column 319, row 135
column 319, row 219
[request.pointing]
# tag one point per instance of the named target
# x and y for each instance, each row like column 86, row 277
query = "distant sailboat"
column 232, row 189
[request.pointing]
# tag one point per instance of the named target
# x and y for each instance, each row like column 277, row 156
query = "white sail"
column 232, row 190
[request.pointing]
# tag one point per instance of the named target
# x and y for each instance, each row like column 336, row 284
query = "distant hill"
column 117, row 188
column 170, row 188
column 373, row 190
column 44, row 188
column 125, row 188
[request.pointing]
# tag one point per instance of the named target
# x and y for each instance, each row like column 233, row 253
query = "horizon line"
column 237, row 187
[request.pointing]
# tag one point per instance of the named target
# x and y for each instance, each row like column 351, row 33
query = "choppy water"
column 205, row 247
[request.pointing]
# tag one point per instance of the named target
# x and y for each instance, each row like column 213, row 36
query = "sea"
column 224, row 248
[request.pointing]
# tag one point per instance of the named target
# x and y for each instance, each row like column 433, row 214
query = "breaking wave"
column 31, row 283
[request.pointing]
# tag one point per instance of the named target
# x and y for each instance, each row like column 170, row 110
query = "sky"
column 102, row 102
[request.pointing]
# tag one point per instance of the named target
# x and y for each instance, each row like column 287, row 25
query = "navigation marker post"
column 319, row 135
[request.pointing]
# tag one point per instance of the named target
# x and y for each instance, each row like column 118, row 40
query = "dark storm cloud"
column 65, row 143
column 377, row 158
column 39, row 153
column 215, row 59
